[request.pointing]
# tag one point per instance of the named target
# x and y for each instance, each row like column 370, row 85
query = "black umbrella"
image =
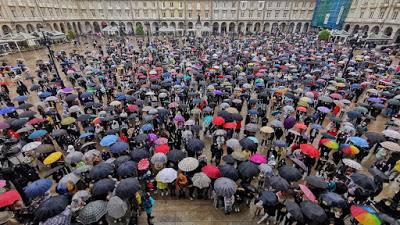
column 196, row 128
column 59, row 133
column 25, row 106
column 333, row 199
column 139, row 154
column 84, row 117
column 248, row 169
column 71, row 97
column 89, row 104
column 290, row 173
column 103, row 186
column 122, row 159
column 294, row 209
column 237, row 117
column 97, row 105
column 379, row 175
column 127, row 188
column 195, row 145
column 27, row 114
column 127, row 169
column 363, row 181
column 313, row 212
column 51, row 207
column 175, row 155
column 388, row 219
column 229, row 172
column 248, row 144
column 140, row 137
column 100, row 171
column 226, row 115
column 375, row 137
column 278, row 183
column 35, row 87
column 228, row 159
column 269, row 198
column 45, row 148
column 317, row 182
column 18, row 122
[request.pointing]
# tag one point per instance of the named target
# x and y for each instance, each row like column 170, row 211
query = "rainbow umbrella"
column 349, row 149
column 365, row 215
column 329, row 143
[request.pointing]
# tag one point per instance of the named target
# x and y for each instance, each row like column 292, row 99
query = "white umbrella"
column 116, row 207
column 390, row 146
column 233, row 143
column 190, row 122
column 159, row 158
column 391, row 134
column 188, row 164
column 147, row 108
column 51, row 99
column 115, row 103
column 201, row 180
column 74, row 109
column 225, row 187
column 74, row 157
column 265, row 169
column 167, row 175
column 351, row 163
column 31, row 146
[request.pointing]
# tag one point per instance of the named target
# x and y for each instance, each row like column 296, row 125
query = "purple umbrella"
column 323, row 109
column 289, row 122
column 375, row 100
column 4, row 125
column 152, row 137
column 179, row 118
column 67, row 90
column 217, row 92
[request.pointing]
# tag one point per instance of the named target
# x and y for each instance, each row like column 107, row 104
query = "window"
column 180, row 14
column 268, row 14
column 278, row 4
column 233, row 13
column 296, row 4
column 251, row 13
column 260, row 5
column 395, row 14
column 259, row 13
column 190, row 13
column 145, row 13
column 127, row 12
column 163, row 15
column 381, row 13
column 243, row 5
column 50, row 12
column 233, row 4
column 224, row 14
column 93, row 12
column 304, row 4
column 33, row 14
column 285, row 13
column 206, row 13
column 277, row 13
column 13, row 11
column 224, row 5
column 251, row 5
column 163, row 4
column 371, row 13
column 241, row 13
column 23, row 11
column 361, row 14
column 154, row 4
column 216, row 13
column 287, row 5
column 180, row 4
column 171, row 4
column 172, row 14
column 144, row 4
column 269, row 4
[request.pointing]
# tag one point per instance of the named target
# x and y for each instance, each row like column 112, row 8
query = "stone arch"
column 274, row 28
column 206, row 24
column 223, row 28
column 55, row 26
column 248, row 27
column 138, row 25
column 38, row 26
column 62, row 28
column 266, row 27
column 397, row 36
column 48, row 27
column 80, row 28
column 375, row 30
column 241, row 27
column 298, row 27
column 122, row 27
column 190, row 25
column 291, row 27
column 113, row 24
column 356, row 29
column 347, row 27
column 215, row 27
column 282, row 27
column 164, row 25
column 173, row 25
column 75, row 27
column 88, row 27
column 19, row 28
column 365, row 29
column 388, row 31
column 6, row 29
column 232, row 27
column 96, row 27
column 69, row 26
column 155, row 27
column 305, row 27
column 257, row 27
column 30, row 28
column 129, row 28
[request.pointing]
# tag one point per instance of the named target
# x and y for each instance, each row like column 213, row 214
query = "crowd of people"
column 286, row 127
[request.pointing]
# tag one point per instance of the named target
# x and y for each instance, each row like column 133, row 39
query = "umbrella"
column 51, row 207
column 239, row 156
column 159, row 158
column 175, row 155
column 248, row 169
column 31, row 146
column 59, row 133
column 127, row 188
column 100, row 171
column 353, row 114
column 37, row 188
column 317, row 182
column 119, row 147
column 299, row 163
column 323, row 109
column 267, row 130
column 294, row 209
column 4, row 125
column 233, row 143
column 351, row 163
column 164, row 148
column 289, row 122
column 251, row 127
column 391, row 146
column 211, row 171
column 68, row 121
column 229, row 171
column 195, row 145
column 228, row 159
column 140, row 137
column 74, row 157
column 52, row 158
column 103, row 186
column 139, row 154
column 92, row 212
column 379, row 175
column 25, row 106
column 9, row 198
column 225, row 187
column 349, row 149
column 375, row 137
column 333, row 199
column 166, row 175
column 121, row 159
column 45, row 148
column 143, row 164
column 248, row 144
column 365, row 215
column 313, row 212
column 388, row 219
column 7, row 110
column 64, row 218
column 268, row 198
column 290, row 173
column 258, row 158
column 201, row 180
column 278, row 183
column 27, row 114
column 188, row 164
column 391, row 134
column 310, row 150
column 331, row 144
column 37, row 134
column 127, row 169
column 108, row 140
column 363, row 181
column 116, row 207
column 360, row 142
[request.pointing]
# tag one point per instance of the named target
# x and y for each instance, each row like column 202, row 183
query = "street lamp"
column 47, row 43
column 354, row 43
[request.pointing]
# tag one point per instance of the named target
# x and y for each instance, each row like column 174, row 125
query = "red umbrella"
column 211, row 171
column 336, row 96
column 3, row 83
column 164, row 148
column 307, row 193
column 218, row 121
column 300, row 126
column 36, row 121
column 133, row 107
column 143, row 164
column 301, row 109
column 310, row 150
column 9, row 198
column 230, row 125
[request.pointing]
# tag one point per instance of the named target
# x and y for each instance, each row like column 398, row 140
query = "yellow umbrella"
column 282, row 91
column 301, row 103
column 115, row 103
column 52, row 158
column 380, row 86
column 68, row 121
column 306, row 99
column 232, row 110
column 397, row 166
column 267, row 130
column 341, row 85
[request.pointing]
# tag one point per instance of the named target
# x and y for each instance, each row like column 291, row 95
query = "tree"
column 139, row 29
column 71, row 35
column 324, row 35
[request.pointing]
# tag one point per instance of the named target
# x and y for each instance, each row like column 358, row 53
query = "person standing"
column 148, row 204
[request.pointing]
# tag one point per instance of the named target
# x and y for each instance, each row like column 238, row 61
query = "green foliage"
column 71, row 35
column 139, row 29
column 324, row 35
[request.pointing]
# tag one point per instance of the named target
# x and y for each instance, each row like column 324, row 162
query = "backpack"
column 146, row 203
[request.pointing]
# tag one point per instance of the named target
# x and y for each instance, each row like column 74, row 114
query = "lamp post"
column 47, row 43
column 354, row 42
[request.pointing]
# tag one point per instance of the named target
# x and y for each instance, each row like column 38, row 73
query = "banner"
column 330, row 14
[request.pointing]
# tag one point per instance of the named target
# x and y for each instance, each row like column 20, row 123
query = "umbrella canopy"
column 100, row 171
column 248, row 144
column 127, row 169
column 233, row 143
column 31, row 146
column 391, row 134
column 313, row 212
column 195, row 145
column 267, row 130
column 278, row 183
column 294, row 209
column 225, row 187
column 391, row 146
column 119, row 147
column 317, row 182
column 307, row 193
column 258, row 158
column 365, row 215
column 92, row 212
column 379, row 175
column 116, row 207
column 127, row 188
column 52, row 158
column 375, row 137
column 363, row 181
column 310, row 150
column 167, row 175
column 269, row 198
column 37, row 134
column 51, row 207
column 188, row 164
column 164, row 148
column 248, row 169
column 229, row 172
column 175, row 155
column 349, row 149
column 201, row 180
column 74, row 157
column 159, row 158
column 333, row 199
column 290, row 173
column 360, row 142
column 108, row 140
column 139, row 154
column 9, row 198
column 331, row 144
column 351, row 163
column 228, row 159
column 103, row 186
column 37, row 188
column 211, row 171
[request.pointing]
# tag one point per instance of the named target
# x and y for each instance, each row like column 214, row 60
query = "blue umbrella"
column 119, row 147
column 45, row 94
column 6, row 110
column 127, row 169
column 85, row 135
column 37, row 188
column 86, row 95
column 103, row 186
column 37, row 134
column 253, row 112
column 108, row 140
column 280, row 143
column 360, row 142
column 316, row 126
column 101, row 171
column 121, row 97
column 375, row 100
column 20, row 98
column 356, row 86
column 147, row 127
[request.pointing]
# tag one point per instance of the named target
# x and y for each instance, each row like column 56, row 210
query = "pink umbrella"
column 307, row 193
column 173, row 105
column 161, row 141
column 152, row 137
column 336, row 96
column 179, row 118
column 258, row 158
